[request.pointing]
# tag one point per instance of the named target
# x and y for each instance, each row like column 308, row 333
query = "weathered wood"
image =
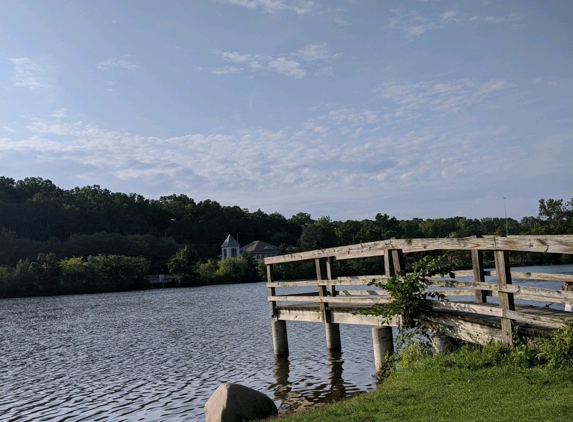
column 479, row 309
column 506, row 301
column 471, row 321
column 549, row 244
column 350, row 300
column 363, row 293
column 472, row 332
column 549, row 321
column 479, row 275
column 271, row 290
column 463, row 284
column 342, row 281
column 280, row 338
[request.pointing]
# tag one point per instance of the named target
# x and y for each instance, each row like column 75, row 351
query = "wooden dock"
column 476, row 310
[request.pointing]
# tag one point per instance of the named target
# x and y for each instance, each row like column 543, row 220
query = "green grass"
column 492, row 384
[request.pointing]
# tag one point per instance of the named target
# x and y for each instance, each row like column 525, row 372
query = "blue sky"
column 343, row 108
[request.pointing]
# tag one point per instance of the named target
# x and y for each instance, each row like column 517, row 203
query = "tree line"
column 58, row 241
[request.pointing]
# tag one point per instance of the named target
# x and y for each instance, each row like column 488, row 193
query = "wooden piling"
column 332, row 331
column 280, row 338
column 383, row 344
column 442, row 343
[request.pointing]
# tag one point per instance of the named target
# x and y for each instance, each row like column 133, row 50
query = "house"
column 230, row 248
column 260, row 250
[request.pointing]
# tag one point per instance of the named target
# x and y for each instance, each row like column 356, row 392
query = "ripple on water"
column 159, row 354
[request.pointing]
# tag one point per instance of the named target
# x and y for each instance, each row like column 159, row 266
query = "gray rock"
column 237, row 403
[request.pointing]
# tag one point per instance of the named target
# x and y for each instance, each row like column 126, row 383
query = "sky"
column 340, row 108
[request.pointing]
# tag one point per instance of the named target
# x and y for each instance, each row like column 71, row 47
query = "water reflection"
column 291, row 398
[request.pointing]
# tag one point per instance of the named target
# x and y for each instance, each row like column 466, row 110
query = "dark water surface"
column 158, row 355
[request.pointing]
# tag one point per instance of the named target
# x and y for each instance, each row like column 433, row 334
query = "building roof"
column 230, row 242
column 259, row 247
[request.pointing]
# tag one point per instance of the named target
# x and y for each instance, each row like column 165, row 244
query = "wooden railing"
column 474, row 319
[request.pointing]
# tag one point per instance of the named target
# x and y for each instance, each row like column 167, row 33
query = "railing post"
column 477, row 264
column 271, row 290
column 567, row 287
column 324, row 269
column 393, row 261
column 506, row 302
column 279, row 329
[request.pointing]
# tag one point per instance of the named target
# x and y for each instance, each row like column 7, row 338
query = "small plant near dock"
column 409, row 293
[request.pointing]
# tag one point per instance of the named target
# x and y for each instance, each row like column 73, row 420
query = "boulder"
column 237, row 403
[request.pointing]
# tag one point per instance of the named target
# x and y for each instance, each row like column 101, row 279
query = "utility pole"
column 505, row 212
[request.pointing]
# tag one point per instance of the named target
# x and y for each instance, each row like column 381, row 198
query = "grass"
column 473, row 384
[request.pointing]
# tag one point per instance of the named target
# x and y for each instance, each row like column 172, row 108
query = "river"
column 157, row 355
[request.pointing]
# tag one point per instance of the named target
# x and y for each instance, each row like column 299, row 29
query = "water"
column 158, row 355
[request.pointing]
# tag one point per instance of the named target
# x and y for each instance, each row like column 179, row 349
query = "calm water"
column 158, row 355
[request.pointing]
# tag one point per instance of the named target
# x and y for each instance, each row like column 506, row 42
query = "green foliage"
column 237, row 270
column 409, row 294
column 182, row 266
column 557, row 351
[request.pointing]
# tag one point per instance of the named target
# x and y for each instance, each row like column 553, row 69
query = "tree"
column 183, row 266
column 556, row 216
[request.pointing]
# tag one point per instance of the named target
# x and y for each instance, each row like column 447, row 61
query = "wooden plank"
column 478, row 309
column 363, row 293
column 463, row 284
column 479, row 274
column 271, row 290
column 539, row 294
column 349, row 300
column 548, row 244
column 549, row 321
column 314, row 283
column 541, row 277
column 506, row 301
column 456, row 327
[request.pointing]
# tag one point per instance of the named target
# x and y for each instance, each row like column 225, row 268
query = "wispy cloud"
column 59, row 114
column 312, row 52
column 7, row 129
column 415, row 23
column 274, row 6
column 28, row 73
column 289, row 64
column 109, row 64
column 287, row 67
column 437, row 96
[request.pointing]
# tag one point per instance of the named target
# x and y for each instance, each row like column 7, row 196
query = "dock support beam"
column 442, row 344
column 383, row 342
column 280, row 339
column 333, row 343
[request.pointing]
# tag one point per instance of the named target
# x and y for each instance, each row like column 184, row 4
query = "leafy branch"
column 409, row 292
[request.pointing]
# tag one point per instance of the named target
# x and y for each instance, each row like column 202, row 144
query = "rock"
column 237, row 403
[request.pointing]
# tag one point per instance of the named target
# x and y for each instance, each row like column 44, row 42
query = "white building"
column 260, row 250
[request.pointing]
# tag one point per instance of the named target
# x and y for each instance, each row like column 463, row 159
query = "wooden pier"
column 476, row 310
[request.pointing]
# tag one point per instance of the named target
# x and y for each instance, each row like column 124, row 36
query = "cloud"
column 274, row 6
column 441, row 97
column 287, row 67
column 226, row 70
column 109, row 64
column 313, row 52
column 7, row 129
column 414, row 23
column 288, row 64
column 28, row 73
column 59, row 114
